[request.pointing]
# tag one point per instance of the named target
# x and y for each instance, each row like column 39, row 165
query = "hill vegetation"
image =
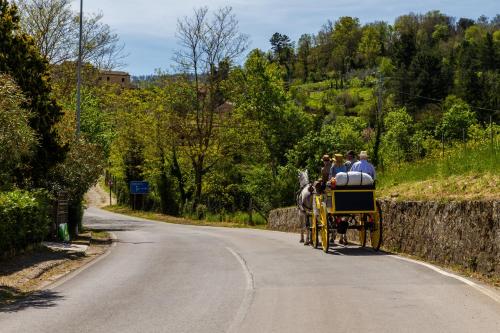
column 215, row 139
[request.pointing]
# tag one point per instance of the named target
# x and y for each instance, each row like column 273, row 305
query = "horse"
column 305, row 205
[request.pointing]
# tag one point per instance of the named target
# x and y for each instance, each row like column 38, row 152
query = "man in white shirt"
column 363, row 165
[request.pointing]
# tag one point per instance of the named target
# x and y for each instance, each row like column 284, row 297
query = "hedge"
column 24, row 219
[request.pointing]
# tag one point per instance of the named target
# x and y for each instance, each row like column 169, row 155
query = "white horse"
column 304, row 204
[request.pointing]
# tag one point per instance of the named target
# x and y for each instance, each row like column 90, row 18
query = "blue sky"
column 148, row 27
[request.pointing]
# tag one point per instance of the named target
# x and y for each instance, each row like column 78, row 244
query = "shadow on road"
column 353, row 250
column 13, row 300
column 31, row 259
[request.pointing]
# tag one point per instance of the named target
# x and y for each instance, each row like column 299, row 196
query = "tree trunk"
column 198, row 177
column 176, row 171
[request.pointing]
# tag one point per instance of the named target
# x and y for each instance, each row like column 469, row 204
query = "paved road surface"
column 171, row 278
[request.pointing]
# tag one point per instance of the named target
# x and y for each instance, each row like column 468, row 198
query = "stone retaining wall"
column 455, row 233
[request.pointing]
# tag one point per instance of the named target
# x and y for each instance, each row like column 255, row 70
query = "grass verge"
column 462, row 174
column 179, row 220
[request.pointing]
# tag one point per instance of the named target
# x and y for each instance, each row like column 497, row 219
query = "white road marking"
column 490, row 293
column 249, row 292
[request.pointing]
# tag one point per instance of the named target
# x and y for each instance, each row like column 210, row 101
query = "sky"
column 147, row 28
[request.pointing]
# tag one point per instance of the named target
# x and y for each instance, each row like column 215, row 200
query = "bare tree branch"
column 55, row 28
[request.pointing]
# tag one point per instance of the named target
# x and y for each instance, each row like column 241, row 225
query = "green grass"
column 314, row 86
column 463, row 173
column 236, row 220
column 457, row 161
column 238, row 217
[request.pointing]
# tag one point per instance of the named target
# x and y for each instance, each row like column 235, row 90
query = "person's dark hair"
column 351, row 153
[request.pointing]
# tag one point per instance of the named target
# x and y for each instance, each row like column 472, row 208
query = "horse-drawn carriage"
column 341, row 208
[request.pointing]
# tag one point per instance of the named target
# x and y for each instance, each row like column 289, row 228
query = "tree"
column 20, row 59
column 339, row 136
column 346, row 36
column 208, row 48
column 17, row 139
column 468, row 66
column 55, row 30
column 428, row 78
column 303, row 54
column 396, row 140
column 261, row 96
column 457, row 119
column 463, row 24
column 369, row 46
column 283, row 52
column 321, row 53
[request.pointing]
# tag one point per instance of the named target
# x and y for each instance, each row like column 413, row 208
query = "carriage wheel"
column 362, row 231
column 376, row 229
column 325, row 236
column 314, row 231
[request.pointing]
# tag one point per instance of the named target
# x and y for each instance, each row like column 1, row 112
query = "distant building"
column 115, row 77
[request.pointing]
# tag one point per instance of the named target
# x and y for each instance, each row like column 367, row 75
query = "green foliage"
column 24, row 219
column 20, row 59
column 74, row 176
column 456, row 120
column 79, row 171
column 396, row 141
column 17, row 139
column 260, row 96
column 95, row 124
column 263, row 187
column 478, row 156
column 285, row 108
column 201, row 211
column 343, row 134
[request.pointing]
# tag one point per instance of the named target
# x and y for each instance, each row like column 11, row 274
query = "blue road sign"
column 139, row 187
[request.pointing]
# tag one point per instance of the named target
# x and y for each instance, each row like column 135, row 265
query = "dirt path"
column 98, row 197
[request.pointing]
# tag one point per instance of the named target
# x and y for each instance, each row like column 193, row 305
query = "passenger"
column 338, row 166
column 351, row 159
column 325, row 170
column 363, row 165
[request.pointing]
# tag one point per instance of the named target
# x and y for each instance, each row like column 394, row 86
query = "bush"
column 17, row 139
column 24, row 219
column 201, row 211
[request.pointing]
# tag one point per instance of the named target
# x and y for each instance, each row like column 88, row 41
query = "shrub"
column 16, row 136
column 201, row 211
column 24, row 219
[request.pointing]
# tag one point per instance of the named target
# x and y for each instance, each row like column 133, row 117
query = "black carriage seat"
column 355, row 187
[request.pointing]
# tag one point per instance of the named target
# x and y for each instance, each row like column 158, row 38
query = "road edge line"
column 485, row 291
column 77, row 271
column 249, row 293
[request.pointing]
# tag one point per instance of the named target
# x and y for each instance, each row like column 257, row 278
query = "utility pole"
column 79, row 73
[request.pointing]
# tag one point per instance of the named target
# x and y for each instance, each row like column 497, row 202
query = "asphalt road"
column 171, row 278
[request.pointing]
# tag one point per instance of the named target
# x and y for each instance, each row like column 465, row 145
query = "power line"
column 440, row 101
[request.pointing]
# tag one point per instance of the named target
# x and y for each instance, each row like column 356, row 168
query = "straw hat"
column 363, row 154
column 339, row 156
